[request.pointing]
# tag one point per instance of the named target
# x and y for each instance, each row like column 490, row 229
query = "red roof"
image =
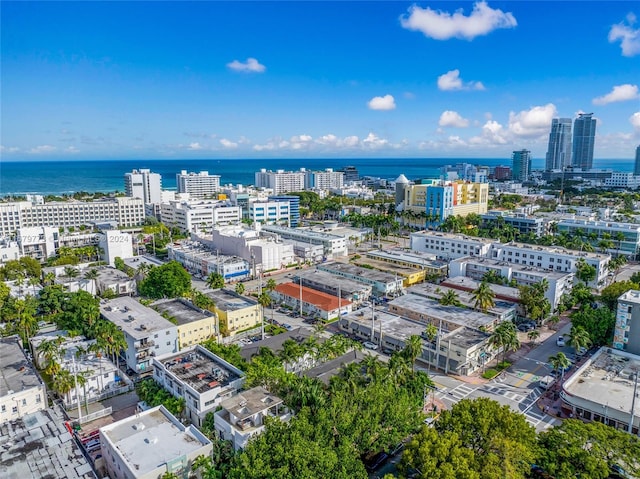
column 323, row 301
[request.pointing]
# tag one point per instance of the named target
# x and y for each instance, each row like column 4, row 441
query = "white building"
column 199, row 215
column 198, row 185
column 150, row 444
column 123, row 211
column 117, row 281
column 270, row 212
column 334, row 246
column 626, row 335
column 449, row 246
column 560, row 282
column 147, row 333
column 9, row 250
column 242, row 417
column 323, row 180
column 144, row 185
column 280, row 181
column 203, row 379
column 21, row 390
column 200, row 260
column 628, row 181
column 39, row 242
column 115, row 244
column 624, row 237
column 383, row 284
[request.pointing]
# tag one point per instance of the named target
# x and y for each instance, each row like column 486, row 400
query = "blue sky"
column 324, row 79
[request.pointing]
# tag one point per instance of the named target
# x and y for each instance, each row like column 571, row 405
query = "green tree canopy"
column 611, row 293
column 170, row 280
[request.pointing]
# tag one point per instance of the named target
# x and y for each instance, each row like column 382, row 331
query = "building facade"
column 269, row 212
column 584, row 137
column 324, row 180
column 624, row 238
column 449, row 246
column 199, row 215
column 294, row 207
column 198, row 185
column 235, row 312
column 199, row 260
column 144, row 185
column 310, row 301
column 521, row 161
column 559, row 149
column 626, row 335
column 194, row 325
column 280, row 181
column 636, row 167
column 382, row 284
column 334, row 246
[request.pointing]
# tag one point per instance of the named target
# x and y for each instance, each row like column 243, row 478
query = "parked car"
column 287, row 326
column 370, row 345
column 375, row 462
column 560, row 341
column 525, row 327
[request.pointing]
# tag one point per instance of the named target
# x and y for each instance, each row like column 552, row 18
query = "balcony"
column 144, row 345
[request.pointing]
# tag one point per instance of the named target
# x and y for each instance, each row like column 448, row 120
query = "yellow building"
column 441, row 199
column 194, row 325
column 235, row 312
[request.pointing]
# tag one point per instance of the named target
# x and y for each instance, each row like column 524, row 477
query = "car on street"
column 560, row 341
column 287, row 326
column 370, row 345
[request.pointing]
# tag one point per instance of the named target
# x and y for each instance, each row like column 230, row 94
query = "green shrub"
column 490, row 373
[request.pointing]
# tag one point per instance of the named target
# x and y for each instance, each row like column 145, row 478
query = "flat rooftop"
column 275, row 343
column 463, row 282
column 607, row 380
column 16, row 372
column 301, row 233
column 555, row 250
column 112, row 275
column 324, row 301
column 631, row 296
column 133, row 318
column 199, row 369
column 600, row 225
column 247, row 403
column 227, row 300
column 325, row 371
column 434, row 291
column 39, row 446
column 183, row 311
column 452, row 236
column 513, row 266
column 372, row 274
column 137, row 260
column 150, row 439
column 416, row 258
column 346, row 285
column 433, row 309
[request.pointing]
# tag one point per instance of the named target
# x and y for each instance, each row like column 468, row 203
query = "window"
column 38, row 399
column 4, row 408
column 14, row 409
column 24, row 402
column 168, row 343
column 168, row 333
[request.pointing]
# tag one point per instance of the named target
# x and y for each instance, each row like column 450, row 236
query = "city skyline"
column 196, row 80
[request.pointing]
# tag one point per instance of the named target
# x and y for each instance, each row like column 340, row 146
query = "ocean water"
column 59, row 177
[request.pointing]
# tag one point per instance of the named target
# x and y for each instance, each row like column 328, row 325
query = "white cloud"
column 42, row 149
column 328, row 143
column 9, row 149
column 532, row 123
column 452, row 118
column 635, row 121
column 452, row 81
column 619, row 93
column 195, row 146
column 374, row 142
column 250, row 66
column 628, row 36
column 386, row 102
column 71, row 149
column 228, row 143
column 409, row 95
column 441, row 25
column 493, row 133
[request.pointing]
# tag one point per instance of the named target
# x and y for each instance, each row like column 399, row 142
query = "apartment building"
column 115, row 244
column 323, row 180
column 203, row 379
column 525, row 224
column 123, row 211
column 269, row 212
column 415, row 262
column 150, row 445
column 280, row 181
column 334, row 246
column 624, row 237
column 21, row 390
column 382, row 284
column 199, row 260
column 194, row 325
column 234, row 311
column 192, row 216
column 627, row 181
column 354, row 291
column 626, row 335
column 144, row 185
column 198, row 185
column 449, row 246
column 146, row 332
column 310, row 301
column 560, row 282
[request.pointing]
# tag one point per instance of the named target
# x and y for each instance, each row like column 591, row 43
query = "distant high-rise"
column 636, row 170
column 559, row 150
column 198, row 185
column 144, row 185
column 521, row 165
column 584, row 136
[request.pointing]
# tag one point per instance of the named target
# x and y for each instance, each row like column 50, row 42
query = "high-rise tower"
column 144, row 185
column 559, row 150
column 584, row 136
column 521, row 168
column 636, row 169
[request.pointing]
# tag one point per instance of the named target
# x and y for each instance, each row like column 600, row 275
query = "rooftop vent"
column 152, row 440
column 139, row 426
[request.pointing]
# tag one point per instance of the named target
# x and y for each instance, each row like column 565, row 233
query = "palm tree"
column 51, row 353
column 215, row 281
column 71, row 272
column 483, row 297
column 271, row 284
column 579, row 338
column 430, row 334
column 533, row 335
column 412, row 349
column 49, row 278
column 505, row 336
column 63, row 382
column 240, row 288
column 450, row 298
column 559, row 362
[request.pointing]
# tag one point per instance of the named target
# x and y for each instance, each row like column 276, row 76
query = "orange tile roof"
column 324, row 301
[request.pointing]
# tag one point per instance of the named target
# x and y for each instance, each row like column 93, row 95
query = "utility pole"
column 633, row 404
column 373, row 320
column 259, row 295
column 75, row 380
column 300, row 295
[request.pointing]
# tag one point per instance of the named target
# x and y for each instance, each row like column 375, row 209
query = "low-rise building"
column 151, row 444
column 459, row 351
column 276, row 344
column 449, row 318
column 194, row 325
column 334, row 246
column 626, row 335
column 146, row 332
column 241, row 417
column 235, row 312
column 200, row 377
column 22, row 391
column 41, row 445
column 310, row 301
column 269, row 212
column 559, row 282
column 117, row 281
column 449, row 246
column 353, row 291
column 383, row 284
column 328, row 369
column 198, row 259
column 115, row 244
column 602, row 390
column 525, row 224
column 191, row 216
column 624, row 238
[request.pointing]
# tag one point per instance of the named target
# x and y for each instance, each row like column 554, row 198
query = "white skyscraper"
column 144, row 185
column 198, row 185
column 559, row 150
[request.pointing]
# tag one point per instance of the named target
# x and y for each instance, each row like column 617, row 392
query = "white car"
column 560, row 341
column 370, row 345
